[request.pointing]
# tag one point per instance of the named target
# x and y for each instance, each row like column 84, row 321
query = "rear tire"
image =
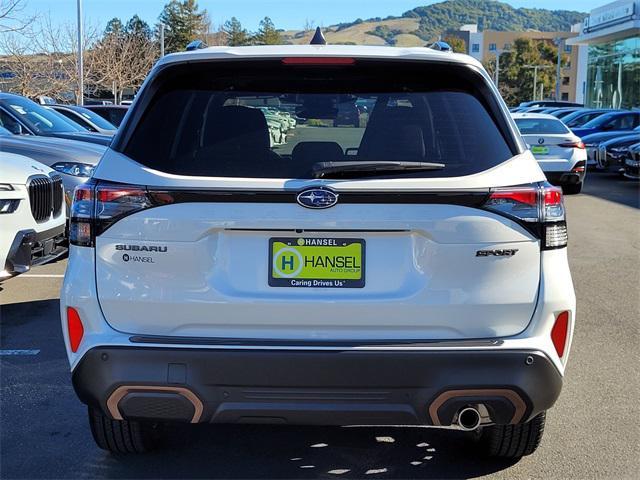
column 122, row 436
column 513, row 441
column 572, row 188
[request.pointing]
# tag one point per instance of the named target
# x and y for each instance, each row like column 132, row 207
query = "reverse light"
column 579, row 167
column 539, row 208
column 559, row 332
column 74, row 329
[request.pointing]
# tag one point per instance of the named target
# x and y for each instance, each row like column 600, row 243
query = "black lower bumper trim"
column 565, row 178
column 336, row 387
column 30, row 248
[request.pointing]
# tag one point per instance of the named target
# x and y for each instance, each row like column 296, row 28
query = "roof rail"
column 441, row 46
column 196, row 45
column 318, row 38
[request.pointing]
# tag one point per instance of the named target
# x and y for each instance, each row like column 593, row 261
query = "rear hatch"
column 374, row 232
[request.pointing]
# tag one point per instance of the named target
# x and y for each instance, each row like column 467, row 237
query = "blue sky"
column 287, row 14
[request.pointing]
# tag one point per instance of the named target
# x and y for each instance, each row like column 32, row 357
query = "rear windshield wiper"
column 370, row 168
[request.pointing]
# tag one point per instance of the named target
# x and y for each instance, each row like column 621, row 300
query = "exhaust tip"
column 469, row 419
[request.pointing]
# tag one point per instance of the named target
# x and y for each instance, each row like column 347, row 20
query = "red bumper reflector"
column 74, row 328
column 559, row 332
column 318, row 61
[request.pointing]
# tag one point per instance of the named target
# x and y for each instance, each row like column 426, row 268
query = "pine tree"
column 267, row 33
column 236, row 35
column 184, row 22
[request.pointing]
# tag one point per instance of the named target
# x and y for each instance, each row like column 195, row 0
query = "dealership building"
column 609, row 66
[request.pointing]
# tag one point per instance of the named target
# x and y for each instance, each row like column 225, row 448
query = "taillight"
column 74, row 329
column 539, row 208
column 98, row 205
column 559, row 332
column 579, row 145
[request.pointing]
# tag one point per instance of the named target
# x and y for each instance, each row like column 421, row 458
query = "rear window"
column 540, row 126
column 269, row 120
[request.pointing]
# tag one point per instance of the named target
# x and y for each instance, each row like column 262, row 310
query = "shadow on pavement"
column 247, row 451
column 613, row 187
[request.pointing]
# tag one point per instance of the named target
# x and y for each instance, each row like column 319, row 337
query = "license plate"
column 316, row 262
column 537, row 150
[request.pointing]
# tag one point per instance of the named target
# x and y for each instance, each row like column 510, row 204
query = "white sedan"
column 559, row 152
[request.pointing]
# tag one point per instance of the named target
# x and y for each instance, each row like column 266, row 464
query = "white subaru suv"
column 408, row 270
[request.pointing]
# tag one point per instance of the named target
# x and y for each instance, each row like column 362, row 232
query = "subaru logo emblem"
column 317, row 198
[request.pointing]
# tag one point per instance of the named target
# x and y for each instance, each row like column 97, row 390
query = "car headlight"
column 73, row 168
column 5, row 187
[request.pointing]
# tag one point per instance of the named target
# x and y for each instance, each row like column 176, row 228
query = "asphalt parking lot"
column 593, row 432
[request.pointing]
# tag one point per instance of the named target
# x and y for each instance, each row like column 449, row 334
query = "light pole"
column 80, row 98
column 558, row 41
column 161, row 40
column 497, row 74
column 535, row 76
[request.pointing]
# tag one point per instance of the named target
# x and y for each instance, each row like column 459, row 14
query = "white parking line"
column 19, row 352
column 42, row 275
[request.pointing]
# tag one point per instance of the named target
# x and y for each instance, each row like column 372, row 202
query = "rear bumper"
column 565, row 178
column 30, row 248
column 338, row 387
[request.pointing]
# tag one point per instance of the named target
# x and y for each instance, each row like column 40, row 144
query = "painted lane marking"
column 19, row 352
column 41, row 275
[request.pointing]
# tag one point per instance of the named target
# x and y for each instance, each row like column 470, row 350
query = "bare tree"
column 42, row 59
column 12, row 17
column 120, row 61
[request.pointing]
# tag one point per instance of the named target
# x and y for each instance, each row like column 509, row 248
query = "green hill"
column 424, row 24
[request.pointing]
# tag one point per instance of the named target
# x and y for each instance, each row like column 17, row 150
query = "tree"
column 267, row 33
column 12, row 18
column 516, row 77
column 183, row 23
column 138, row 28
column 456, row 43
column 114, row 27
column 236, row 35
column 122, row 58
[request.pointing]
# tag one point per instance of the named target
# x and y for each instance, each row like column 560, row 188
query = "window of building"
column 475, row 47
column 507, row 46
column 567, row 48
column 566, row 80
column 565, row 96
column 492, row 47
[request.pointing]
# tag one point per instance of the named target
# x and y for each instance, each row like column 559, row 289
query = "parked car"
column 561, row 113
column 580, row 117
column 73, row 160
column 560, row 153
column 550, row 103
column 22, row 116
column 632, row 162
column 592, row 143
column 32, row 217
column 421, row 280
column 86, row 118
column 348, row 114
column 612, row 153
column 114, row 114
column 625, row 120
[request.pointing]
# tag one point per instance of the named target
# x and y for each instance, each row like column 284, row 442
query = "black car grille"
column 46, row 197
